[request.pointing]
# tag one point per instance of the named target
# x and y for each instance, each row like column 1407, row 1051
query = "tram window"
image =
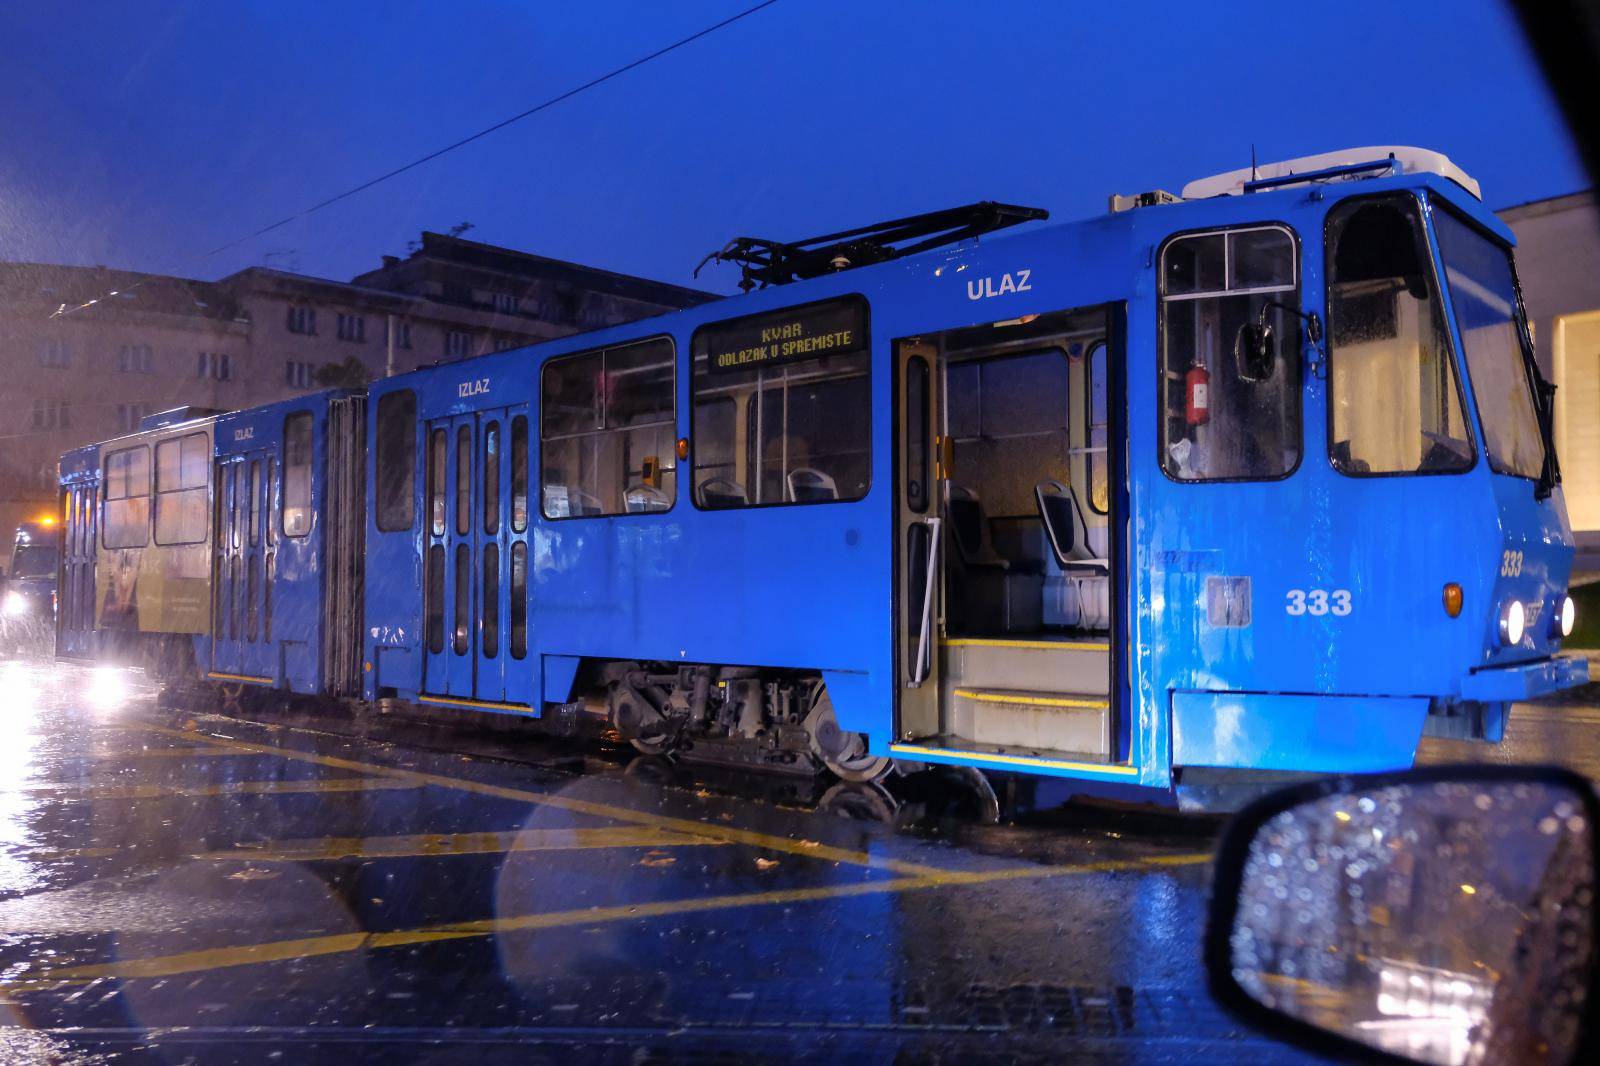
column 127, row 496
column 803, row 425
column 491, row 478
column 1099, row 480
column 266, row 596
column 1394, row 399
column 438, row 448
column 297, row 474
column 918, row 433
column 1489, row 319
column 396, row 460
column 252, row 598
column 464, row 480
column 435, row 599
column 519, row 474
column 254, row 525
column 491, row 600
column 462, row 638
column 1223, row 418
column 182, row 467
column 609, row 431
column 519, row 599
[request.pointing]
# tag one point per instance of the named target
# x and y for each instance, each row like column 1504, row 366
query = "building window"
column 457, row 343
column 298, row 375
column 55, row 354
column 609, row 427
column 352, row 328
column 214, row 365
column 506, row 303
column 782, row 411
column 302, row 320
column 50, row 414
column 1230, row 413
column 402, row 334
column 182, row 465
column 129, row 415
column 136, row 359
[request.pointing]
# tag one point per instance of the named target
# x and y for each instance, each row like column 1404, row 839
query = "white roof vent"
column 1347, row 165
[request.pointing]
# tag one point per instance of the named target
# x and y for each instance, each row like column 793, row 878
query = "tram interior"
column 1027, row 493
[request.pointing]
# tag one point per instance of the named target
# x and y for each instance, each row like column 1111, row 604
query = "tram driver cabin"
column 1254, row 478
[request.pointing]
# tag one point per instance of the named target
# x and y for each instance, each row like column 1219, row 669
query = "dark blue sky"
column 142, row 134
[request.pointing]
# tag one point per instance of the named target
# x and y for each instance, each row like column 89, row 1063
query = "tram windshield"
column 34, row 560
column 1488, row 317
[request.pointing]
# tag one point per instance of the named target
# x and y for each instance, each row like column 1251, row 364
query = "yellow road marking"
column 433, row 844
column 461, row 701
column 310, row 947
column 1041, row 645
column 204, row 751
column 690, row 827
column 1040, row 701
column 226, row 788
column 1014, row 760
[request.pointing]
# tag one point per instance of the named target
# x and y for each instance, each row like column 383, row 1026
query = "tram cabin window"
column 182, row 466
column 608, row 429
column 1394, row 398
column 782, row 407
column 127, row 494
column 1231, row 407
column 397, row 461
column 297, row 474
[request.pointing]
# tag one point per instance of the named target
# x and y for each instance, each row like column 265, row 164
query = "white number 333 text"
column 1317, row 602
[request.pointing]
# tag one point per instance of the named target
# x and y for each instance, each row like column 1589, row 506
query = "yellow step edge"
column 249, row 678
column 1077, row 702
column 462, row 701
column 1015, row 760
column 1040, row 645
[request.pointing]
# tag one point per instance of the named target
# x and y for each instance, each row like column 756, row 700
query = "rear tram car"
column 1258, row 478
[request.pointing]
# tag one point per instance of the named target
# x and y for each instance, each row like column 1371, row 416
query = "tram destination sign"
column 838, row 327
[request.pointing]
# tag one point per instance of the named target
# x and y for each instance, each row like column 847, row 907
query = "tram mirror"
column 1255, row 351
column 1441, row 915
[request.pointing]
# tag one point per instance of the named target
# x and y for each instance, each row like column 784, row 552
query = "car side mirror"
column 1443, row 915
column 1255, row 351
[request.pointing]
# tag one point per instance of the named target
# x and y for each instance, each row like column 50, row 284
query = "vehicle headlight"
column 1569, row 616
column 1513, row 622
column 15, row 606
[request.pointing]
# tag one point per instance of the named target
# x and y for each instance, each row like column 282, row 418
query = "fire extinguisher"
column 1197, row 396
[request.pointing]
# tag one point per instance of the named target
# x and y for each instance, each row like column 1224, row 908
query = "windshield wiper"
column 1544, row 398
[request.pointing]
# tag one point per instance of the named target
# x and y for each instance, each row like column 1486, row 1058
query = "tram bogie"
column 1251, row 480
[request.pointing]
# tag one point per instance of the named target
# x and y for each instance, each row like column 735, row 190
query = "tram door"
column 75, row 600
column 475, row 568
column 920, row 537
column 243, row 552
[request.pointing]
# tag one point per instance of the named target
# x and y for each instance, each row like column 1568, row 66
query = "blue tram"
column 1255, row 478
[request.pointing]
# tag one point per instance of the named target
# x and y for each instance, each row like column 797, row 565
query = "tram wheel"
column 854, row 764
column 652, row 747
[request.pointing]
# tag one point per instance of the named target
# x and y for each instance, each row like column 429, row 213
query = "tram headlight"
column 1513, row 622
column 1569, row 616
column 15, row 605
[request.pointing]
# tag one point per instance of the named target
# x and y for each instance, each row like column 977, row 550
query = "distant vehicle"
column 28, row 584
column 1258, row 478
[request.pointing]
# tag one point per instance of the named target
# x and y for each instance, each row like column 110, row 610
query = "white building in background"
column 1558, row 260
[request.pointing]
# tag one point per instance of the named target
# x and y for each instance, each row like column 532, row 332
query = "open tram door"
column 1011, row 508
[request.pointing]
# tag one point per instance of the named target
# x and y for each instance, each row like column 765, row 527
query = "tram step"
column 1064, row 666
column 1064, row 722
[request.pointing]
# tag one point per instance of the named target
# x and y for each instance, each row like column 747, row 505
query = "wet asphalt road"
column 254, row 886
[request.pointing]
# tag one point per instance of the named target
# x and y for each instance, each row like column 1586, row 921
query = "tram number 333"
column 1317, row 602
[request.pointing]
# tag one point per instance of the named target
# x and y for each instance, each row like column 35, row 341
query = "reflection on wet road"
column 178, row 886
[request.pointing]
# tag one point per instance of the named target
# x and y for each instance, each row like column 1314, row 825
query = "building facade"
column 1558, row 262
column 87, row 352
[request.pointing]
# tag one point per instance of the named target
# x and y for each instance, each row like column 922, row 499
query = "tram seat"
column 1067, row 529
column 810, row 486
column 722, row 492
column 642, row 499
column 987, row 594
